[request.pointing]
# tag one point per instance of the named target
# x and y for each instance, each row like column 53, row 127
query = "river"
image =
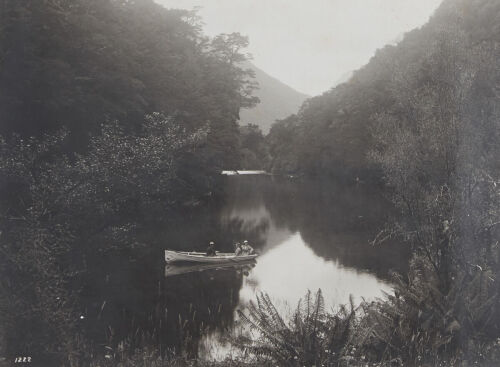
column 310, row 235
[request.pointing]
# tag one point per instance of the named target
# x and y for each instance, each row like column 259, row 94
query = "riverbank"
column 364, row 335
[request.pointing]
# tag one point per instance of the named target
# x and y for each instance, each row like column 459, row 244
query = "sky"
column 311, row 45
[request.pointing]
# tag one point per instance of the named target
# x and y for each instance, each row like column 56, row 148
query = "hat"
column 211, row 243
column 245, row 241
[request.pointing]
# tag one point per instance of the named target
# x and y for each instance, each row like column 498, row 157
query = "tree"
column 76, row 208
column 253, row 148
column 78, row 64
column 438, row 148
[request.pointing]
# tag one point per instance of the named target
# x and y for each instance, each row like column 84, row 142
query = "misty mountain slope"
column 277, row 101
column 333, row 133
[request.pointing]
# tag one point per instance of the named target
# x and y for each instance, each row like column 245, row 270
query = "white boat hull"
column 201, row 257
column 254, row 172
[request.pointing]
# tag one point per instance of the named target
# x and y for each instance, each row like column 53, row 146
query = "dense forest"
column 118, row 115
column 78, row 64
column 333, row 134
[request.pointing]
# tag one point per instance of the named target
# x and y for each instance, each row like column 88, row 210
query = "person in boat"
column 246, row 249
column 238, row 250
column 211, row 249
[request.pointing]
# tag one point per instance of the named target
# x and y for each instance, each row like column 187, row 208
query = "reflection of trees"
column 254, row 232
column 128, row 301
column 243, row 216
column 200, row 303
column 126, row 298
column 245, row 192
column 138, row 308
column 337, row 220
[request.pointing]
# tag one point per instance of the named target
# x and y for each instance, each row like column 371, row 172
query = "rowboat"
column 254, row 172
column 174, row 269
column 201, row 257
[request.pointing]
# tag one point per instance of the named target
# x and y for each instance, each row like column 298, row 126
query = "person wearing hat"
column 211, row 249
column 246, row 248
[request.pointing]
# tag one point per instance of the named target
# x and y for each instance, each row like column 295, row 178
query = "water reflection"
column 136, row 306
column 337, row 221
column 288, row 270
column 309, row 235
column 200, row 303
column 174, row 270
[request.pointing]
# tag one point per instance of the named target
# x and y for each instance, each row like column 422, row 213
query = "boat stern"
column 169, row 256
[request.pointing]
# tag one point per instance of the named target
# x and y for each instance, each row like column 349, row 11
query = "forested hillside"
column 78, row 64
column 423, row 118
column 116, row 115
column 333, row 134
column 277, row 101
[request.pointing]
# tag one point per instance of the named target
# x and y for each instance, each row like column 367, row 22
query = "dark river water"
column 310, row 235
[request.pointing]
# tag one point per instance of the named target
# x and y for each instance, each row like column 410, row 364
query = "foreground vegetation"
column 422, row 117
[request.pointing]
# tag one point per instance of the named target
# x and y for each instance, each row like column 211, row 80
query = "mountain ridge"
column 333, row 133
column 277, row 101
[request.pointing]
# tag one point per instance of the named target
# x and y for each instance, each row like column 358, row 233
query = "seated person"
column 211, row 249
column 238, row 251
column 246, row 248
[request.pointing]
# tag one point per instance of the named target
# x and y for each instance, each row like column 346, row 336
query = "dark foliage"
column 64, row 211
column 73, row 188
column 253, row 148
column 75, row 64
column 332, row 133
column 423, row 115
